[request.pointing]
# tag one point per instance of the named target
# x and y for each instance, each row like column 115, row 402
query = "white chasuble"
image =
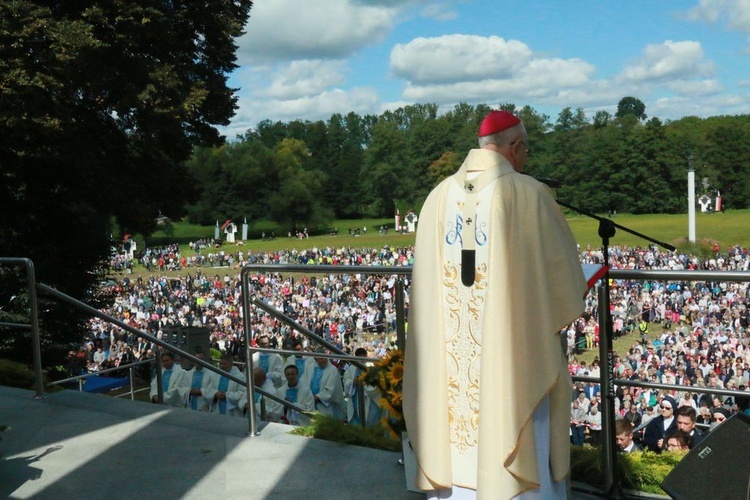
column 466, row 218
column 482, row 350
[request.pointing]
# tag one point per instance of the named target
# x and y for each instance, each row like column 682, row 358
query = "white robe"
column 176, row 391
column 305, row 400
column 273, row 409
column 275, row 370
column 209, row 383
column 236, row 395
column 309, row 364
column 371, row 394
column 331, row 394
column 498, row 337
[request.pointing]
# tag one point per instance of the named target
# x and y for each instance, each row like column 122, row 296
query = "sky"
column 308, row 59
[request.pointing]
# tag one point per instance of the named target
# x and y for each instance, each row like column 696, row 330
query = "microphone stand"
column 607, row 229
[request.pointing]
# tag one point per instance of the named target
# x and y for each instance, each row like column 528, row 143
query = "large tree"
column 631, row 106
column 100, row 105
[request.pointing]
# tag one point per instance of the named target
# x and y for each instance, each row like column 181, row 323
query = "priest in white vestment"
column 496, row 276
column 227, row 396
column 295, row 392
column 273, row 409
column 271, row 362
column 175, row 384
column 370, row 394
column 325, row 385
column 200, row 382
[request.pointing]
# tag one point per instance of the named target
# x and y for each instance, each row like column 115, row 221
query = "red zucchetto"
column 497, row 121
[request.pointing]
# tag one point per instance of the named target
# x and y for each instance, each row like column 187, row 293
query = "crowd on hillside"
column 702, row 338
column 690, row 334
column 351, row 311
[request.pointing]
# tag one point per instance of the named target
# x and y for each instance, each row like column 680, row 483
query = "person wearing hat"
column 496, row 276
column 718, row 416
column 661, row 426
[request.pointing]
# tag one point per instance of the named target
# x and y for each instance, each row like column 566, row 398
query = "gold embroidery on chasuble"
column 463, row 320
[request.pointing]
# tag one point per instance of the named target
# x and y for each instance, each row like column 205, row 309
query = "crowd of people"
column 701, row 342
column 690, row 334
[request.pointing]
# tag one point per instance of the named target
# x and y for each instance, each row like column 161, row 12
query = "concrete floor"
column 86, row 446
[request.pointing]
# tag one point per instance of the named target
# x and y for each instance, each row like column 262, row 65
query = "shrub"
column 15, row 374
column 330, row 429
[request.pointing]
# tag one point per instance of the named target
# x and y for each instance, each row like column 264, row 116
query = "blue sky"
column 308, row 59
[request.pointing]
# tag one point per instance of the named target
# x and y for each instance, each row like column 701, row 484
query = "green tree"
column 100, row 105
column 631, row 106
column 296, row 201
column 602, row 119
column 728, row 152
column 386, row 166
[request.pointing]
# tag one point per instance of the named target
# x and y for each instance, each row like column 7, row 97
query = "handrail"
column 346, row 357
column 100, row 372
column 680, row 275
column 636, row 274
column 658, row 385
column 318, row 268
column 34, row 318
column 15, row 326
column 97, row 313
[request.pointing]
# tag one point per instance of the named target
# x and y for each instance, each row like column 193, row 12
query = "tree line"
column 352, row 166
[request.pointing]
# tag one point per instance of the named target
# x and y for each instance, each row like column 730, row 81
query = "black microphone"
column 554, row 184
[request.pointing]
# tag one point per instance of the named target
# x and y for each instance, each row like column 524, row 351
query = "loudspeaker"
column 719, row 467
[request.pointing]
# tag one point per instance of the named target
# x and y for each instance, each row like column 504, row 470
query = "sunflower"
column 386, row 405
column 387, row 376
column 395, row 397
column 396, row 374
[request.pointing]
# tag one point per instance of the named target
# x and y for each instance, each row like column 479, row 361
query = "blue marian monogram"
column 455, row 230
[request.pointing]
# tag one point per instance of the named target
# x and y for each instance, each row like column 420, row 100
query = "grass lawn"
column 622, row 344
column 730, row 228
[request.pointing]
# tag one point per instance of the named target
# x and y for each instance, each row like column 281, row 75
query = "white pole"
column 691, row 203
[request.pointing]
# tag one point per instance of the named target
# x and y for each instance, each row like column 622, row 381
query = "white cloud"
column 735, row 13
column 677, row 107
column 464, row 68
column 320, row 106
column 556, row 73
column 694, row 87
column 304, row 79
column 441, row 11
column 323, row 29
column 456, row 58
column 669, row 60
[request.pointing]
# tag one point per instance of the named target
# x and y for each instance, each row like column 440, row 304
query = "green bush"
column 330, row 429
column 15, row 374
column 636, row 471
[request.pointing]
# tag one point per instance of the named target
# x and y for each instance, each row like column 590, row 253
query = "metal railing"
column 33, row 319
column 81, row 379
column 250, row 300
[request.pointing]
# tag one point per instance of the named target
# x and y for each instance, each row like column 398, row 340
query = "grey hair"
column 503, row 138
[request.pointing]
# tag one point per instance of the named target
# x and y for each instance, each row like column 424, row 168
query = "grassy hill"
column 730, row 228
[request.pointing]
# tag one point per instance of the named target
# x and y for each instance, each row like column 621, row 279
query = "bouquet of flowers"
column 387, row 376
